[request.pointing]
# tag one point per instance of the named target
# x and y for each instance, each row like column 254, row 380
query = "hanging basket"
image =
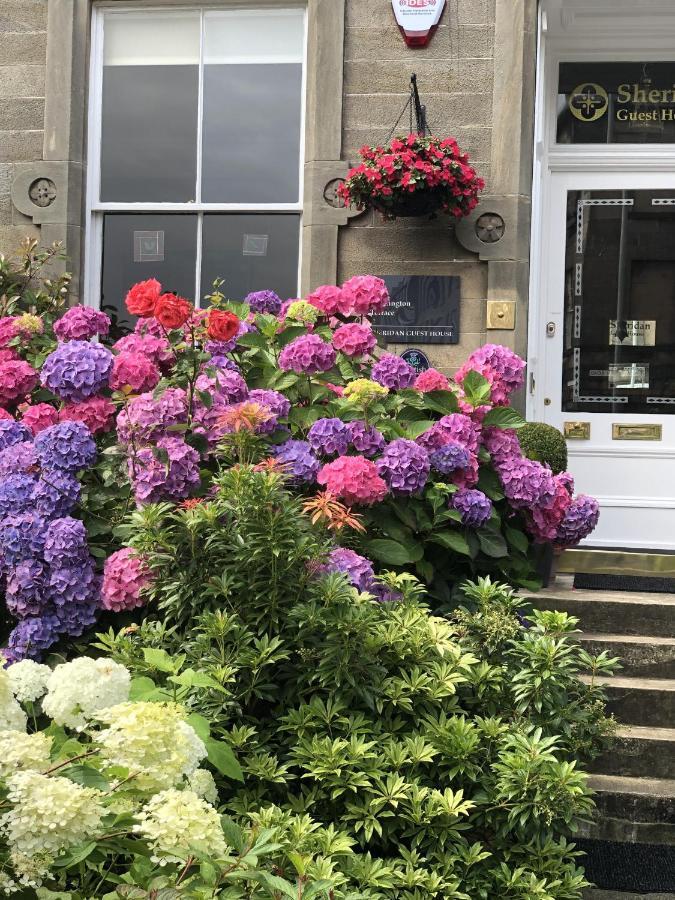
column 416, row 205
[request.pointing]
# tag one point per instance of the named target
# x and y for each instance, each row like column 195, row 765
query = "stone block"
column 24, row 114
column 475, row 12
column 11, row 237
column 386, row 43
column 23, row 15
column 471, row 75
column 393, row 76
column 6, row 175
column 20, row 145
column 5, row 210
column 447, row 112
column 475, row 41
column 393, row 245
column 23, row 48
column 22, row 81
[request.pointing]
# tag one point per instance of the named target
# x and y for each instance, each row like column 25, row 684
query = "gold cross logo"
column 588, row 102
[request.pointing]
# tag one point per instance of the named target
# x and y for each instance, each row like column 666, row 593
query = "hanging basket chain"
column 413, row 105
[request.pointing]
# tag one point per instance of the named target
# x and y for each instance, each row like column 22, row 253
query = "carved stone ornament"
column 42, row 192
column 330, row 193
column 490, row 228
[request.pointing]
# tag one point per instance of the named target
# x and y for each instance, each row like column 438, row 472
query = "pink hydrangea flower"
column 97, row 413
column 543, row 522
column 367, row 294
column 455, row 427
column 8, row 330
column 307, row 354
column 39, row 416
column 502, row 444
column 146, row 418
column 124, row 576
column 5, row 416
column 156, row 349
column 135, row 371
column 17, row 380
column 354, row 339
column 8, row 355
column 431, row 380
column 353, row 479
column 503, row 368
column 527, row 483
column 149, row 325
column 80, row 323
column 331, row 300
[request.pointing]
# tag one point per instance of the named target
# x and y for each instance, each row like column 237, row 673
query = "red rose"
column 222, row 325
column 172, row 311
column 142, row 297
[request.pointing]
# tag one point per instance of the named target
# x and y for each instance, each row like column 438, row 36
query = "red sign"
column 418, row 19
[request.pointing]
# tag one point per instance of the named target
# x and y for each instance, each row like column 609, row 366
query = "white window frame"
column 96, row 209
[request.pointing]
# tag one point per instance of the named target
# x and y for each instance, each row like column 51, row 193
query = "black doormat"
column 640, row 868
column 651, row 585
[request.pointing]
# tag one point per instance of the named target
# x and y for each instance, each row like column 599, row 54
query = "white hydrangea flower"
column 12, row 717
column 202, row 783
column 175, row 823
column 48, row 815
column 20, row 751
column 79, row 689
column 152, row 741
column 28, row 680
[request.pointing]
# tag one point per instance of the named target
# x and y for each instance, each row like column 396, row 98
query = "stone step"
column 613, row 612
column 632, row 810
column 641, row 655
column 593, row 894
column 639, row 701
column 639, row 752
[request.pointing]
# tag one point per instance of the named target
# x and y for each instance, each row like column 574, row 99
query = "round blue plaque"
column 415, row 358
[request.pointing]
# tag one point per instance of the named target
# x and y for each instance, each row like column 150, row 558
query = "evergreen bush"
column 545, row 444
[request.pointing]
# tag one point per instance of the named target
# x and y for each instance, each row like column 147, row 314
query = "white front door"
column 605, row 351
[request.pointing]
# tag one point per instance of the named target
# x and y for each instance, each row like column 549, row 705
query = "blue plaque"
column 415, row 358
column 423, row 309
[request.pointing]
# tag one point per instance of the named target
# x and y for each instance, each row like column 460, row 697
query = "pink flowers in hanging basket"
column 415, row 176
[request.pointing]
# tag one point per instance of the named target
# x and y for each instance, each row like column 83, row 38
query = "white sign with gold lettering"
column 417, row 19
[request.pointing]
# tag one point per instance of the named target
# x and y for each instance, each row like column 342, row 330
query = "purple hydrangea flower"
column 502, row 444
column 383, row 593
column 18, row 458
column 455, row 427
column 75, row 618
column 264, row 302
column 358, row 569
column 81, row 323
column 22, row 537
column 146, row 418
column 56, row 493
column 15, row 494
column 27, row 589
column 450, row 457
column 404, row 466
column 273, row 400
column 300, row 463
column 68, row 446
column 307, row 354
column 580, row 520
column 77, row 370
column 12, row 433
column 527, row 483
column 172, row 474
column 33, row 635
column 473, row 505
column 393, row 372
column 72, row 584
column 66, row 542
column 225, row 385
column 329, row 437
column 365, row 438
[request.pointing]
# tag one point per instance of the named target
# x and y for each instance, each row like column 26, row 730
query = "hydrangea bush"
column 430, row 468
column 109, row 796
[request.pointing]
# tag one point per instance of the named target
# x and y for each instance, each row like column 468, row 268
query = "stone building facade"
column 476, row 78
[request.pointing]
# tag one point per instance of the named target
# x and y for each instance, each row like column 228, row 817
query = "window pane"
column 149, row 107
column 252, row 106
column 619, row 312
column 136, row 247
column 252, row 253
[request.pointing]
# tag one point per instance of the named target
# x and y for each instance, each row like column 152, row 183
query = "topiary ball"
column 545, row 444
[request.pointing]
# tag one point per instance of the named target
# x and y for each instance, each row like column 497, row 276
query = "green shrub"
column 544, row 443
column 446, row 750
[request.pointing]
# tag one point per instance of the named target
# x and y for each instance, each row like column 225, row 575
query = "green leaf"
column 289, row 334
column 393, row 553
column 452, row 540
column 141, row 688
column 415, row 429
column 504, row 417
column 517, row 539
column 444, row 402
column 200, row 725
column 190, row 678
column 160, row 659
column 74, row 856
column 253, row 339
column 476, row 388
column 220, row 756
column 492, row 543
column 87, row 776
column 206, row 398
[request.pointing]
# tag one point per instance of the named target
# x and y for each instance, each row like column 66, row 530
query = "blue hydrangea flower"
column 77, row 370
column 56, row 493
column 68, row 446
column 474, row 506
column 358, row 569
column 450, row 457
column 33, row 635
column 329, row 437
column 300, row 463
column 405, row 466
column 18, row 458
column 72, row 584
column 66, row 542
column 15, row 494
column 22, row 537
column 27, row 589
column 264, row 302
column 12, row 433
